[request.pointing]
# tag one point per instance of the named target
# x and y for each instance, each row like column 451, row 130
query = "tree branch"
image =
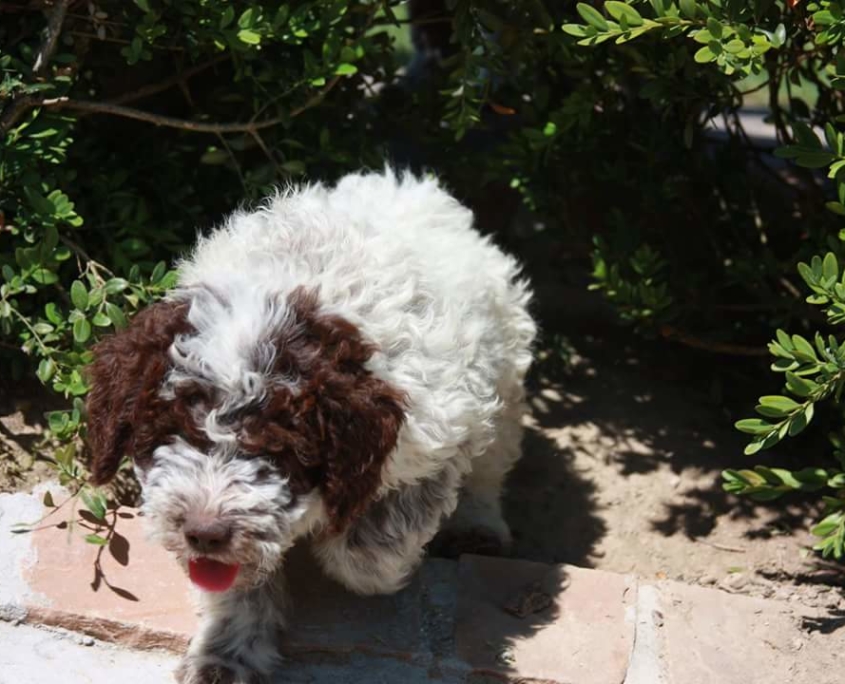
column 671, row 333
column 51, row 36
column 157, row 119
column 154, row 88
column 169, row 121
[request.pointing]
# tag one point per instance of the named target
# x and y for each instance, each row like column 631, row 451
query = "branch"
column 173, row 122
column 51, row 36
column 157, row 119
column 154, row 88
column 670, row 333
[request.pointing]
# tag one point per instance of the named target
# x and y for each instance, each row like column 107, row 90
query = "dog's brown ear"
column 362, row 426
column 336, row 431
column 123, row 404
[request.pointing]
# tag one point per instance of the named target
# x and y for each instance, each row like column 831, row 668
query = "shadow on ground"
column 623, row 455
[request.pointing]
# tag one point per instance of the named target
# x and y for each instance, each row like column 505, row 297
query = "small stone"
column 707, row 580
column 736, row 581
column 797, row 644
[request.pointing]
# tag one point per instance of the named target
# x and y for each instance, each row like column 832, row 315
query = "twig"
column 789, row 287
column 51, row 36
column 671, row 333
column 721, row 547
column 157, row 119
column 233, row 159
column 317, row 99
column 260, row 141
column 415, row 22
column 96, row 266
column 122, row 41
column 173, row 122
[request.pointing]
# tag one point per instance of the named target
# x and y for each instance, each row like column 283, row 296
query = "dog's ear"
column 362, row 424
column 336, row 430
column 125, row 411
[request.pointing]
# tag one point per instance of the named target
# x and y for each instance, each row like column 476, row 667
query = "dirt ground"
column 621, row 469
column 622, row 460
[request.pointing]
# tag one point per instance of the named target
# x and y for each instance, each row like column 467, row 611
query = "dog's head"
column 239, row 411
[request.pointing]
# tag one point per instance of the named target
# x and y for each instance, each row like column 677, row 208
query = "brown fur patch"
column 340, row 425
column 126, row 415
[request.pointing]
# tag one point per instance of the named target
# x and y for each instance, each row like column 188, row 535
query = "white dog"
column 338, row 365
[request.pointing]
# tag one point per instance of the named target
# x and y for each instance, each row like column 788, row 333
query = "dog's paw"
column 194, row 670
column 197, row 670
column 453, row 542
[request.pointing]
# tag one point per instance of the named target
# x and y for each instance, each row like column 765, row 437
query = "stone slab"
column 582, row 632
column 713, row 637
column 129, row 590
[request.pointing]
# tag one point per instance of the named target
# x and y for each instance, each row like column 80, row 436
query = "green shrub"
column 793, row 52
column 128, row 126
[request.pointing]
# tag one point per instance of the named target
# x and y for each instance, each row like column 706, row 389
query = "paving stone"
column 712, row 637
column 583, row 635
column 129, row 591
column 325, row 617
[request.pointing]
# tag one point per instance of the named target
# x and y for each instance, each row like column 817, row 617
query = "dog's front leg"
column 239, row 637
column 378, row 553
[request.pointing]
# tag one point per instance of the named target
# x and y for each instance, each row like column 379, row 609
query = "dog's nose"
column 208, row 536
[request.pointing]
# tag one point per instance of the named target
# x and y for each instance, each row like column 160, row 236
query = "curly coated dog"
column 343, row 365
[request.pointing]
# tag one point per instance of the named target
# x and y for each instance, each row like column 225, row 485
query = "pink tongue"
column 212, row 575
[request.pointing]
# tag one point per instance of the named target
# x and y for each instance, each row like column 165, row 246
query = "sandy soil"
column 622, row 462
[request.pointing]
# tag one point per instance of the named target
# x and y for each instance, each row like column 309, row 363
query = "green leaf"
column 689, row 9
column 620, row 10
column 830, row 266
column 101, row 320
column 81, row 330
column 95, row 502
column 800, row 386
column 143, row 4
column 115, row 313
column 779, row 402
column 246, row 19
column 345, row 69
column 249, row 37
column 592, row 16
column 46, row 370
column 227, row 17
column 803, row 348
column 784, row 340
column 79, row 295
column 828, row 525
column 714, row 27
column 815, row 160
column 576, row 30
column 48, row 500
column 704, row 55
column 158, row 272
column 116, row 285
column 754, row 426
column 96, row 539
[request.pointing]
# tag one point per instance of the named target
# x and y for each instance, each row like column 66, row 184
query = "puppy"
column 337, row 365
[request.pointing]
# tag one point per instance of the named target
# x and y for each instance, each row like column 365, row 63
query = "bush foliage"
column 128, row 125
